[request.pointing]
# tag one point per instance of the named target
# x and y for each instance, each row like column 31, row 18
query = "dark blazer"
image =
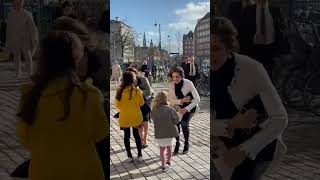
column 183, row 64
column 187, row 70
column 244, row 20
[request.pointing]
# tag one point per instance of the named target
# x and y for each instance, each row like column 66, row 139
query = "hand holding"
column 245, row 120
column 183, row 111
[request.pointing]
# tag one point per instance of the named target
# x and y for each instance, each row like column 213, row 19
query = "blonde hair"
column 161, row 99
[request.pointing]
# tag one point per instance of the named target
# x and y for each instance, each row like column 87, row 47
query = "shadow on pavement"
column 133, row 165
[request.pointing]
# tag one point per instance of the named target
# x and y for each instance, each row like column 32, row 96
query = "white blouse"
column 251, row 79
column 186, row 88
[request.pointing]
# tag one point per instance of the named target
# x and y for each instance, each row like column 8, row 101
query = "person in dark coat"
column 261, row 30
column 191, row 70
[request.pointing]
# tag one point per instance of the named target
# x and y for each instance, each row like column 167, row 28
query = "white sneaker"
column 129, row 160
column 140, row 159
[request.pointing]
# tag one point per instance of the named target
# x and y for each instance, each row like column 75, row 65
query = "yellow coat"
column 65, row 150
column 130, row 113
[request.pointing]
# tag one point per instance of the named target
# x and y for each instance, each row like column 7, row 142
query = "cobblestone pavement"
column 194, row 165
column 302, row 161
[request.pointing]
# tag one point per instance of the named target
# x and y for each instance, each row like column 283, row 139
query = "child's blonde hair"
column 161, row 99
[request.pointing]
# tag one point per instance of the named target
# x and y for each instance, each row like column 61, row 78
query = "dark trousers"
column 249, row 170
column 185, row 130
column 127, row 141
column 103, row 150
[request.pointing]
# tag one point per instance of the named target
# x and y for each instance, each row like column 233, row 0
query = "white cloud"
column 187, row 17
column 151, row 34
column 186, row 20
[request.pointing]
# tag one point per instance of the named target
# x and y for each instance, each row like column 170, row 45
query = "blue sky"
column 176, row 17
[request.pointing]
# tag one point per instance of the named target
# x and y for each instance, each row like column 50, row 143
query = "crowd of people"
column 249, row 115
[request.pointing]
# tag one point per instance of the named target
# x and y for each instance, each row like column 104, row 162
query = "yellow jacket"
column 65, row 150
column 130, row 113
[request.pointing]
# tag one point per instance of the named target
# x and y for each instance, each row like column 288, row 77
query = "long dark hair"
column 65, row 23
column 226, row 31
column 178, row 70
column 56, row 61
column 127, row 80
column 134, row 70
column 72, row 25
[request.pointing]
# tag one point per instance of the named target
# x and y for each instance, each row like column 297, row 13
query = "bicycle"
column 203, row 85
column 298, row 88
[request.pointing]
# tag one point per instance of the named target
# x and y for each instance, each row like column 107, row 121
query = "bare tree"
column 125, row 40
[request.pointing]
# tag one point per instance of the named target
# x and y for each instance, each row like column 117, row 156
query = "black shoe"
column 185, row 150
column 176, row 149
column 144, row 146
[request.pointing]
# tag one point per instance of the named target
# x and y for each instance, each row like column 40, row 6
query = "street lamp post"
column 155, row 24
column 169, row 51
column 169, row 43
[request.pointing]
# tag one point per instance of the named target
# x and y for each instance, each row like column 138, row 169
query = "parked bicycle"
column 203, row 84
column 298, row 87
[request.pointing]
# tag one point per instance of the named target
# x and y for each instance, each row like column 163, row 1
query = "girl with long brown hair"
column 129, row 100
column 60, row 119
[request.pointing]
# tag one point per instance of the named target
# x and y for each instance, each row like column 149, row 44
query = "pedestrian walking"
column 191, row 70
column 116, row 73
column 185, row 98
column 129, row 100
column 61, row 120
column 262, row 30
column 166, row 122
column 154, row 73
column 21, row 36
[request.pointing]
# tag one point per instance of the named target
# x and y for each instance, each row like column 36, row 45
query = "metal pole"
column 160, row 37
column 169, row 43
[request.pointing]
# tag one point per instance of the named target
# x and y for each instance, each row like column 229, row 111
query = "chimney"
column 117, row 18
